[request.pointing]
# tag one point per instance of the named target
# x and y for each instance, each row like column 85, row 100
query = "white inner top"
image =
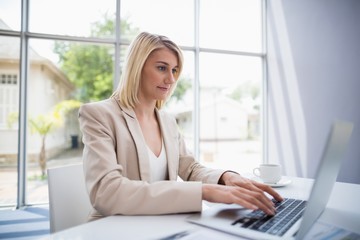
column 158, row 165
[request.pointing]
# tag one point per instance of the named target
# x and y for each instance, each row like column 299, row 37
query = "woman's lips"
column 164, row 88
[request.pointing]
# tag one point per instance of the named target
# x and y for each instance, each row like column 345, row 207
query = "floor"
column 28, row 223
column 31, row 222
column 37, row 190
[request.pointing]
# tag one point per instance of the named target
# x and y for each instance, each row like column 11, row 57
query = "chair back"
column 69, row 203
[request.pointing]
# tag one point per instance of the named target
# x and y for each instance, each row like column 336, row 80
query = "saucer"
column 283, row 182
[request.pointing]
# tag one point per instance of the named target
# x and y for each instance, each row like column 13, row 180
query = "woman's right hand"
column 234, row 194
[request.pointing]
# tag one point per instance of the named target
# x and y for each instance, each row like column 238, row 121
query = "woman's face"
column 158, row 76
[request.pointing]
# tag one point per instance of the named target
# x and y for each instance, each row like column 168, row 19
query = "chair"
column 69, row 202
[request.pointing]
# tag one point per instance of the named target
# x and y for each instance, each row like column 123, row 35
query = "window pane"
column 10, row 12
column 69, row 17
column 231, row 25
column 230, row 99
column 182, row 101
column 62, row 76
column 174, row 19
column 9, row 103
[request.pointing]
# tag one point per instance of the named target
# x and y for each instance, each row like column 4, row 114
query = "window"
column 71, row 18
column 9, row 104
column 74, row 59
column 8, row 98
column 233, row 25
column 230, row 86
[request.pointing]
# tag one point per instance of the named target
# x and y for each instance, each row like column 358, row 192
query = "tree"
column 43, row 124
column 182, row 86
column 246, row 90
column 90, row 67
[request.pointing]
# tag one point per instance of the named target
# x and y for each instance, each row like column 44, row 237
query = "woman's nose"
column 170, row 78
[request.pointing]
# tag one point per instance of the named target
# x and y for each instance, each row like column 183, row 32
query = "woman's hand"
column 245, row 192
column 235, row 179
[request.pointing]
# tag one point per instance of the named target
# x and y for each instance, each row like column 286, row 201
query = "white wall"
column 314, row 79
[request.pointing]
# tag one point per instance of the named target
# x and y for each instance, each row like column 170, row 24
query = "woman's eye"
column 161, row 68
column 174, row 71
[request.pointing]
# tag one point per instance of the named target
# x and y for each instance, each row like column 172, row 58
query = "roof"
column 10, row 52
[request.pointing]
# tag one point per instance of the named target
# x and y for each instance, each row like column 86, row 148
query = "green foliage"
column 44, row 123
column 247, row 89
column 63, row 107
column 104, row 27
column 36, row 177
column 41, row 124
column 183, row 85
column 12, row 118
column 88, row 67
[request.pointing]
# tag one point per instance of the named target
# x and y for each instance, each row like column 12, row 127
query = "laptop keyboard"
column 287, row 213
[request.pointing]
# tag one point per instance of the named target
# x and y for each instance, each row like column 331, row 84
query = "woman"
column 133, row 151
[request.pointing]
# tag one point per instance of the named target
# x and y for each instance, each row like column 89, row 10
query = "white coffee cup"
column 268, row 172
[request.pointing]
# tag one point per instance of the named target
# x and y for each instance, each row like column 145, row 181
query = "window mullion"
column 24, row 61
column 196, row 112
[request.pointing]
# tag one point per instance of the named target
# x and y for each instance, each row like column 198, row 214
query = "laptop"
column 294, row 217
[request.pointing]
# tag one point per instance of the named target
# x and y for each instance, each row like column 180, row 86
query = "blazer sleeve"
column 113, row 193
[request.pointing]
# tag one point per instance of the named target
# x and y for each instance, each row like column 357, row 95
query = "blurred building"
column 47, row 86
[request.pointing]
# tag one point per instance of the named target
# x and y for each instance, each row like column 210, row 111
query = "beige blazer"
column 116, row 165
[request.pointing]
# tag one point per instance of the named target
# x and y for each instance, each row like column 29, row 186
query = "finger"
column 263, row 205
column 244, row 203
column 258, row 199
column 254, row 187
column 248, row 185
column 260, row 194
column 269, row 190
column 266, row 202
column 260, row 188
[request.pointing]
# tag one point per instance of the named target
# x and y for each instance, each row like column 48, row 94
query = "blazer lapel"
column 137, row 135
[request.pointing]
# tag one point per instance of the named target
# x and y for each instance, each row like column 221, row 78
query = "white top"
column 158, row 165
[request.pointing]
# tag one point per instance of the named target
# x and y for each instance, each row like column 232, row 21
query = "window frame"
column 25, row 35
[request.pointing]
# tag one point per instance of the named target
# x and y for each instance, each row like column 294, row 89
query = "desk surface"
column 343, row 210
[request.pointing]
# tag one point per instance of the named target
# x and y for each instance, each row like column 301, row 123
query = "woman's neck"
column 145, row 111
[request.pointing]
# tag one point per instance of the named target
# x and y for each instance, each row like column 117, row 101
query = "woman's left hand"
column 235, row 179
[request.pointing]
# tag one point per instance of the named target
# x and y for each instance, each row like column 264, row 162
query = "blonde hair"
column 140, row 49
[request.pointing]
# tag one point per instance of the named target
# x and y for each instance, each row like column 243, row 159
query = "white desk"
column 343, row 210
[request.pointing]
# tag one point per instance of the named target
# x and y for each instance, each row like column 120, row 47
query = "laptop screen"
column 326, row 175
